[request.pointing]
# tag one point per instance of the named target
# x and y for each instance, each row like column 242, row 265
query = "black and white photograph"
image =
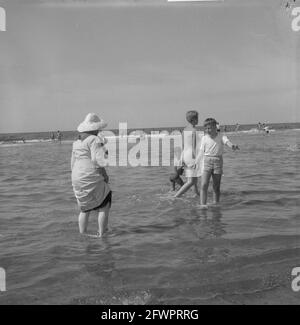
column 149, row 154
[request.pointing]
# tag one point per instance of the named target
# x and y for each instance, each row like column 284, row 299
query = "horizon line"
column 153, row 128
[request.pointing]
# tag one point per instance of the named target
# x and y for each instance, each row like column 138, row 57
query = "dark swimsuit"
column 106, row 201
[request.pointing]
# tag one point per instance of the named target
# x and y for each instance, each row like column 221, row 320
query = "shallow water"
column 158, row 250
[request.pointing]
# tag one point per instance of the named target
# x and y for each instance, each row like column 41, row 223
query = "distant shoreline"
column 70, row 135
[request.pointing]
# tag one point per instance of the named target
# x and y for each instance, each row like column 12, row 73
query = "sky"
column 146, row 63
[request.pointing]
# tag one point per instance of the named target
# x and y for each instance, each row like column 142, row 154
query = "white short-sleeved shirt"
column 213, row 147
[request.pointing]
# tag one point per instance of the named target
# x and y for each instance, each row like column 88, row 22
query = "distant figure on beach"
column 218, row 127
column 259, row 126
column 52, row 136
column 89, row 177
column 189, row 154
column 212, row 146
column 59, row 136
column 237, row 126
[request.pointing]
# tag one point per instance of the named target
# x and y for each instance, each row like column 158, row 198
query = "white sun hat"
column 91, row 123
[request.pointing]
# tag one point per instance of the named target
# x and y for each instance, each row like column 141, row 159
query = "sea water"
column 158, row 250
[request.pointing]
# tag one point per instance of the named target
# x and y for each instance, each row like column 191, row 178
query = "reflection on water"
column 209, row 223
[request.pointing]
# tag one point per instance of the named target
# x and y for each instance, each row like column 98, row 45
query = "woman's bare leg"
column 83, row 221
column 103, row 219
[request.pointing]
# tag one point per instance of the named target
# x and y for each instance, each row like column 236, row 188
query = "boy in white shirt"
column 212, row 147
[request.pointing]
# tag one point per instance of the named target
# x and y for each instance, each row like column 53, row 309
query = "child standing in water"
column 189, row 154
column 212, row 147
column 89, row 177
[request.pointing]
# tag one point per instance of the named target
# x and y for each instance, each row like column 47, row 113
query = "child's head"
column 210, row 126
column 192, row 117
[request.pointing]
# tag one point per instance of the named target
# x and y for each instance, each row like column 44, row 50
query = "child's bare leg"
column 83, row 220
column 103, row 219
column 190, row 182
column 196, row 188
column 216, row 187
column 204, row 187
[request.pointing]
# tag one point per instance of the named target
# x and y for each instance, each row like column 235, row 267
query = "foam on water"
column 293, row 147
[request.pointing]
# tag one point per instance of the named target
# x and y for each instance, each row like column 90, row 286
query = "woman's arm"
column 102, row 171
column 98, row 153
